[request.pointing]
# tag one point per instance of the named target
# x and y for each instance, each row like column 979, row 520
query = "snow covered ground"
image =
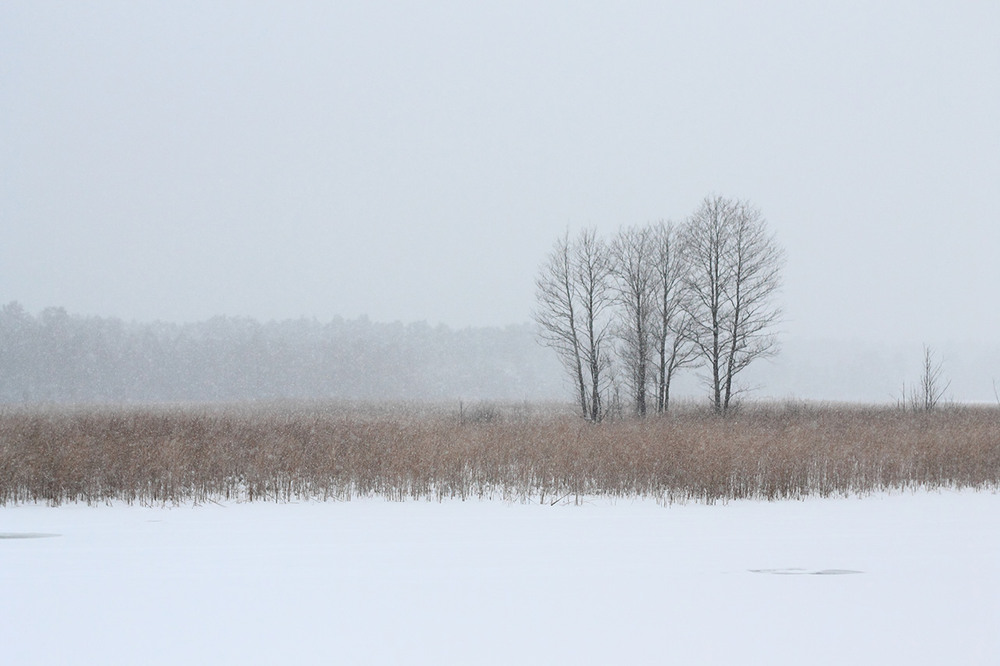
column 893, row 579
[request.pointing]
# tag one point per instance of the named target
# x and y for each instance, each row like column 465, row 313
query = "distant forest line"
column 58, row 357
column 62, row 358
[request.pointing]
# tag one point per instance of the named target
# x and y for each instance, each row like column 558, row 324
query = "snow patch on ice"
column 792, row 571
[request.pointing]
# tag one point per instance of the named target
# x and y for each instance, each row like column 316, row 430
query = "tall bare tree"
column 671, row 323
column 633, row 264
column 593, row 266
column 735, row 270
column 573, row 294
column 556, row 314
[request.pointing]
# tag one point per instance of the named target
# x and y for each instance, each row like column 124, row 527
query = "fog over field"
column 178, row 161
column 59, row 357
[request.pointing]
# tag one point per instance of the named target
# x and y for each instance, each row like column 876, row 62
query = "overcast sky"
column 415, row 161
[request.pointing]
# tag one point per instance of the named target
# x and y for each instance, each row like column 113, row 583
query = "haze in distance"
column 175, row 161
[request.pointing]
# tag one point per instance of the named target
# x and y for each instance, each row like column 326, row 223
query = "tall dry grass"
column 151, row 455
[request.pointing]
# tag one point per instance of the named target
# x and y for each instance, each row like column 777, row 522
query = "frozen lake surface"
column 904, row 578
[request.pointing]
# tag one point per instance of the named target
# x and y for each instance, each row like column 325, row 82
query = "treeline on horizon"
column 57, row 357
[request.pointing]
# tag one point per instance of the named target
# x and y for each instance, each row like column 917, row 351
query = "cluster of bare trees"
column 626, row 314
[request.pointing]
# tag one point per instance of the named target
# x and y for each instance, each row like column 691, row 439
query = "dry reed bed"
column 197, row 454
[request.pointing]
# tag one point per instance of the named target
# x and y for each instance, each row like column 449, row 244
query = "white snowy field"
column 903, row 578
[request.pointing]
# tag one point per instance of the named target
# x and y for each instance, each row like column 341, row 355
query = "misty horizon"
column 177, row 161
column 242, row 358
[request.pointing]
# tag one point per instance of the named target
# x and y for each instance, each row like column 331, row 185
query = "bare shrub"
column 932, row 386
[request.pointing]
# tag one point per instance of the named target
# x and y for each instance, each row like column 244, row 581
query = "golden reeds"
column 158, row 455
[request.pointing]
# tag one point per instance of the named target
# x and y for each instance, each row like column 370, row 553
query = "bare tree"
column 671, row 323
column 556, row 315
column 593, row 272
column 633, row 257
column 932, row 386
column 735, row 269
column 573, row 294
